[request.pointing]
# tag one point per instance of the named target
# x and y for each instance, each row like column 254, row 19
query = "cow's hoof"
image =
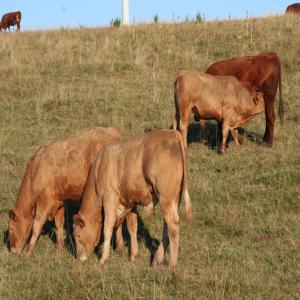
column 119, row 246
column 102, row 262
column 133, row 257
column 59, row 250
column 27, row 253
column 157, row 261
column 267, row 145
column 171, row 267
column 241, row 140
column 15, row 251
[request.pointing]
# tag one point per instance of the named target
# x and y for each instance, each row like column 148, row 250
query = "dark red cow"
column 11, row 19
column 263, row 72
column 293, row 8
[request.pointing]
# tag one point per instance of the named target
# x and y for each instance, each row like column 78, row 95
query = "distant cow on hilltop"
column 11, row 19
column 293, row 8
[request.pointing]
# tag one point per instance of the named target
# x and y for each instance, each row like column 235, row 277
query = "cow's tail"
column 185, row 192
column 176, row 119
column 280, row 109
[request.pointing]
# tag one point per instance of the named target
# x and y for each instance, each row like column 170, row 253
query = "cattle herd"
column 111, row 176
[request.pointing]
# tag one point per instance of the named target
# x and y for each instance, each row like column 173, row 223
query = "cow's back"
column 206, row 94
column 133, row 167
column 65, row 162
column 249, row 68
column 293, row 8
column 12, row 18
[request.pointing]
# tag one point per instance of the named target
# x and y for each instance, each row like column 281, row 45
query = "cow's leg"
column 59, row 224
column 183, row 127
column 42, row 212
column 119, row 238
column 170, row 234
column 132, row 229
column 172, row 220
column 18, row 26
column 174, row 123
column 149, row 210
column 240, row 137
column 109, row 223
column 160, row 252
column 225, row 131
column 235, row 135
column 202, row 123
column 270, row 119
column 197, row 117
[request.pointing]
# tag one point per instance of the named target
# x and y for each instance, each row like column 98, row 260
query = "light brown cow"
column 55, row 173
column 261, row 72
column 138, row 171
column 222, row 98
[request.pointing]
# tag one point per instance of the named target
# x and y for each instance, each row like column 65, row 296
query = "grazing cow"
column 11, row 19
column 138, row 171
column 263, row 72
column 222, row 98
column 293, row 8
column 55, row 173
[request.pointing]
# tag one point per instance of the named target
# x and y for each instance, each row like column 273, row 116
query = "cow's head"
column 1, row 26
column 86, row 234
column 19, row 227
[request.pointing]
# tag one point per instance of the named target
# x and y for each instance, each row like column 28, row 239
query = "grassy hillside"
column 244, row 240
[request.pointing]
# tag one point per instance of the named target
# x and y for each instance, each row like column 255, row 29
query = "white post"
column 125, row 12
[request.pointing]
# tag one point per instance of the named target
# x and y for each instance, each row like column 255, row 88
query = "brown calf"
column 55, row 173
column 134, row 172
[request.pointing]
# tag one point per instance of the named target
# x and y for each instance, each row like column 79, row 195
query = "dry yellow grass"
column 244, row 240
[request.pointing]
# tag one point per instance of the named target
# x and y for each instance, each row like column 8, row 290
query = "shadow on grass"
column 208, row 135
column 71, row 209
column 6, row 238
column 251, row 136
column 211, row 134
column 143, row 235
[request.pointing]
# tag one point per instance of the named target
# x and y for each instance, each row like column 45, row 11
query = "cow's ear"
column 78, row 220
column 12, row 215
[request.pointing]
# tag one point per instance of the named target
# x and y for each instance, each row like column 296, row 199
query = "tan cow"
column 222, row 98
column 138, row 171
column 56, row 172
